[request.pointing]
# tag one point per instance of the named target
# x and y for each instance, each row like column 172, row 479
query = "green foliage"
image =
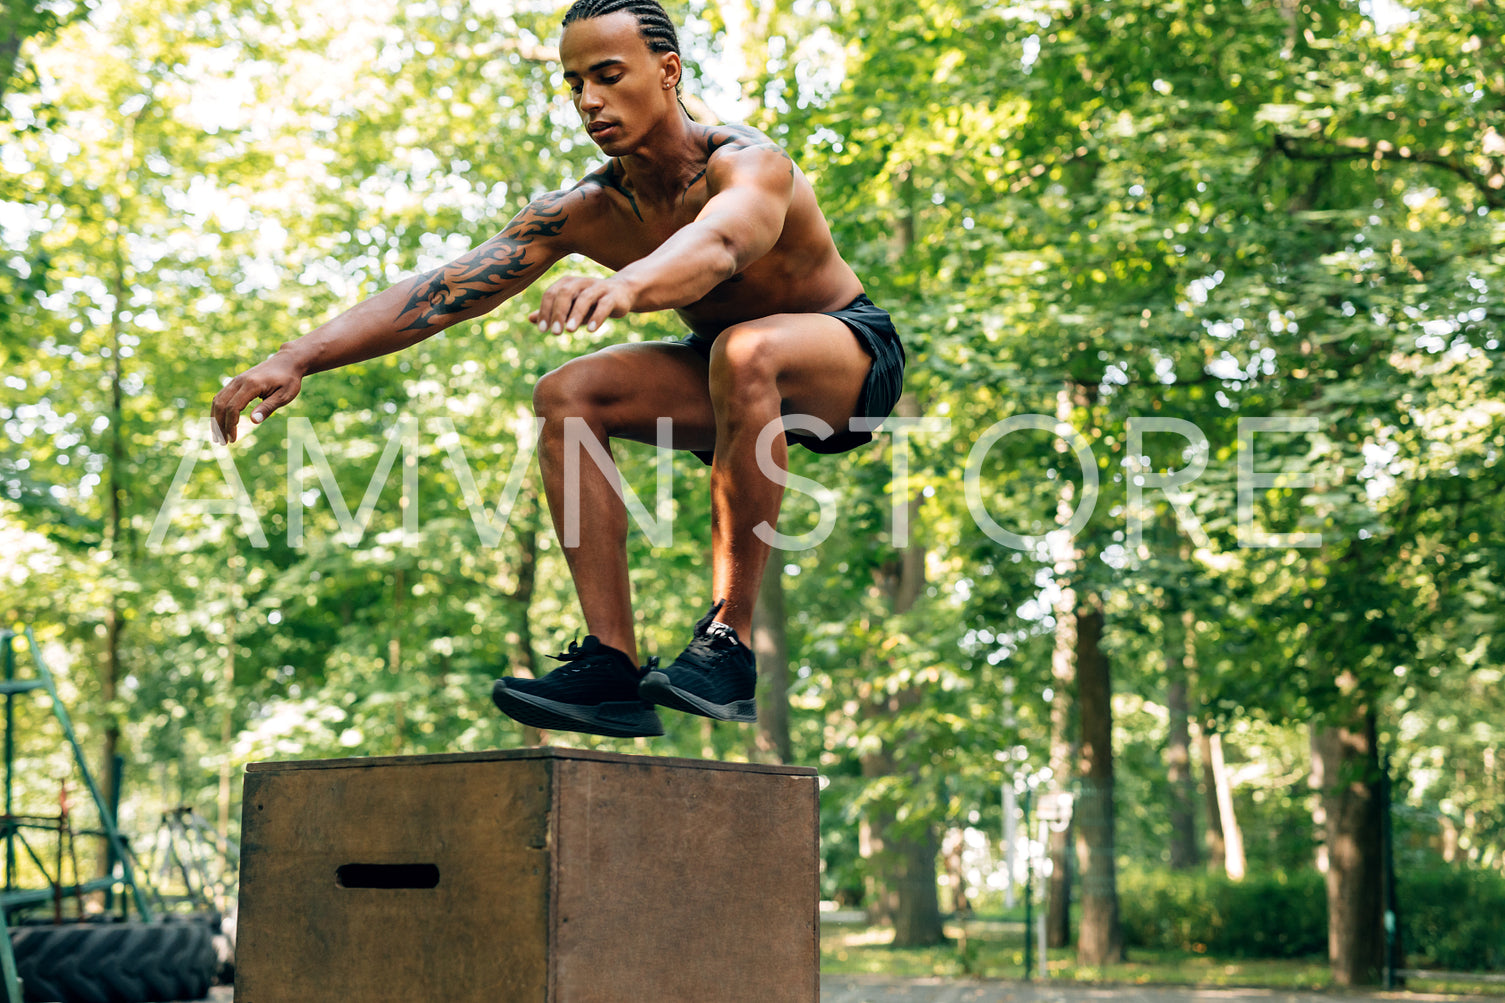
column 1275, row 914
column 1204, row 211
column 1270, row 915
column 1453, row 918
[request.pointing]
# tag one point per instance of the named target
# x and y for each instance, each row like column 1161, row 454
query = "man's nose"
column 590, row 98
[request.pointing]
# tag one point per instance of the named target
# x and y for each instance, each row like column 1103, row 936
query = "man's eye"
column 611, row 80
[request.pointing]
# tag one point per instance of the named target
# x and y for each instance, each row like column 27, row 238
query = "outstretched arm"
column 405, row 314
column 750, row 189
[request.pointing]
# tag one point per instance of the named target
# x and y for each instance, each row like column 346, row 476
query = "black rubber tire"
column 114, row 962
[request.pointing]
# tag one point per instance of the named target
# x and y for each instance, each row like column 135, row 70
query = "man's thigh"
column 815, row 360
column 633, row 386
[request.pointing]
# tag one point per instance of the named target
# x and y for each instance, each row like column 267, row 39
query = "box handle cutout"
column 387, row 876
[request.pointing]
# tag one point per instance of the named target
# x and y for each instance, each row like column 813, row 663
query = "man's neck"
column 670, row 158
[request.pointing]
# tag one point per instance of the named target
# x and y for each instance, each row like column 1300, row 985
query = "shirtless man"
column 715, row 223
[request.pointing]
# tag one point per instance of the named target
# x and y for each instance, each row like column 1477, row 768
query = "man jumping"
column 715, row 223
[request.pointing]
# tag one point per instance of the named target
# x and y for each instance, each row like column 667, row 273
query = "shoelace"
column 704, row 622
column 577, row 652
column 703, row 644
column 698, row 652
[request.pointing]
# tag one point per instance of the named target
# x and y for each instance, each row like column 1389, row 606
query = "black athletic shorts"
column 875, row 332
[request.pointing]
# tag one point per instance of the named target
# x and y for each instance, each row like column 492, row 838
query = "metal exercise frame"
column 11, row 824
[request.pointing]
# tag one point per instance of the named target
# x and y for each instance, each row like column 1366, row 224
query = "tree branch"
column 1491, row 188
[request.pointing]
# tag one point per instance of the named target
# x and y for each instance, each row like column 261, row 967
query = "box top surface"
column 537, row 752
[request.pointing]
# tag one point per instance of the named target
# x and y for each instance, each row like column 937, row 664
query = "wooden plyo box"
column 545, row 874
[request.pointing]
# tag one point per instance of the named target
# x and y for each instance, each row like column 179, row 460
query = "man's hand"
column 275, row 382
column 575, row 300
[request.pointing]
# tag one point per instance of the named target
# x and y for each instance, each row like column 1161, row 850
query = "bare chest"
column 636, row 228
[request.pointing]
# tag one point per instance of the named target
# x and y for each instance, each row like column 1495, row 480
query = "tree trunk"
column 1063, row 720
column 1318, row 783
column 952, row 849
column 10, row 51
column 1058, row 888
column 905, row 854
column 1233, row 838
column 394, row 666
column 1350, row 791
column 770, row 643
column 917, row 918
column 110, row 689
column 227, row 714
column 115, row 527
column 1100, row 936
column 525, row 660
column 1217, row 853
column 903, row 889
column 1183, row 810
column 1063, row 753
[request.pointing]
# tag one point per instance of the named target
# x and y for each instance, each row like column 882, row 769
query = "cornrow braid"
column 653, row 21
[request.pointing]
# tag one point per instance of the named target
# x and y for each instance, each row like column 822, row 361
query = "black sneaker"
column 714, row 677
column 595, row 691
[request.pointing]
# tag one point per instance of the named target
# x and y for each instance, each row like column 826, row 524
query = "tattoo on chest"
column 454, row 287
column 693, row 182
column 611, row 179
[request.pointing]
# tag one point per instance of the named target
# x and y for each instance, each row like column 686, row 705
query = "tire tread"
column 115, row 962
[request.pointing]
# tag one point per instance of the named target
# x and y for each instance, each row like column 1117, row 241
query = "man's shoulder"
column 558, row 215
column 740, row 153
column 722, row 141
column 583, row 194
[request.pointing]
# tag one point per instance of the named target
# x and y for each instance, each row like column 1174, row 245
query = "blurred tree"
column 1082, row 212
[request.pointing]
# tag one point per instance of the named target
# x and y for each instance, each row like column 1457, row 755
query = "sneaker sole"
column 657, row 688
column 624, row 719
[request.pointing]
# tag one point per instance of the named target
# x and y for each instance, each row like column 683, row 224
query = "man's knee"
column 568, row 390
column 744, row 359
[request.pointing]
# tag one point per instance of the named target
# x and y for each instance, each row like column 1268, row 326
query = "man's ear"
column 671, row 69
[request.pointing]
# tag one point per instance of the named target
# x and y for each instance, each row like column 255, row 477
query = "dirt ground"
column 865, row 989
column 862, row 989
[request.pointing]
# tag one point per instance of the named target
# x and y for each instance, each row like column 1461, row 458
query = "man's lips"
column 599, row 129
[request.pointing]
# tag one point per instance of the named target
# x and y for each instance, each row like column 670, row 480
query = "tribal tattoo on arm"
column 485, row 272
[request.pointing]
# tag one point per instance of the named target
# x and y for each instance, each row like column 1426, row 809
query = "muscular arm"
column 750, row 194
column 408, row 312
column 750, row 189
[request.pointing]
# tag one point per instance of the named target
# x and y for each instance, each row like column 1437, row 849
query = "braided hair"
column 653, row 21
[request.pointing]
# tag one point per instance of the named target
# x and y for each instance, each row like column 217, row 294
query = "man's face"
column 619, row 86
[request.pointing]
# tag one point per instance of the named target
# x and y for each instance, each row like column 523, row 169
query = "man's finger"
column 265, row 406
column 556, row 302
column 600, row 314
column 564, row 309
column 272, row 401
column 222, row 416
column 236, row 396
column 585, row 306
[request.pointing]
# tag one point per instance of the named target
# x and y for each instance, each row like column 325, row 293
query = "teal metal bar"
column 8, row 642
column 106, row 817
column 38, row 896
column 7, row 956
column 8, row 967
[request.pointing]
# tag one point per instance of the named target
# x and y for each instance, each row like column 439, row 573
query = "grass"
column 994, row 949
